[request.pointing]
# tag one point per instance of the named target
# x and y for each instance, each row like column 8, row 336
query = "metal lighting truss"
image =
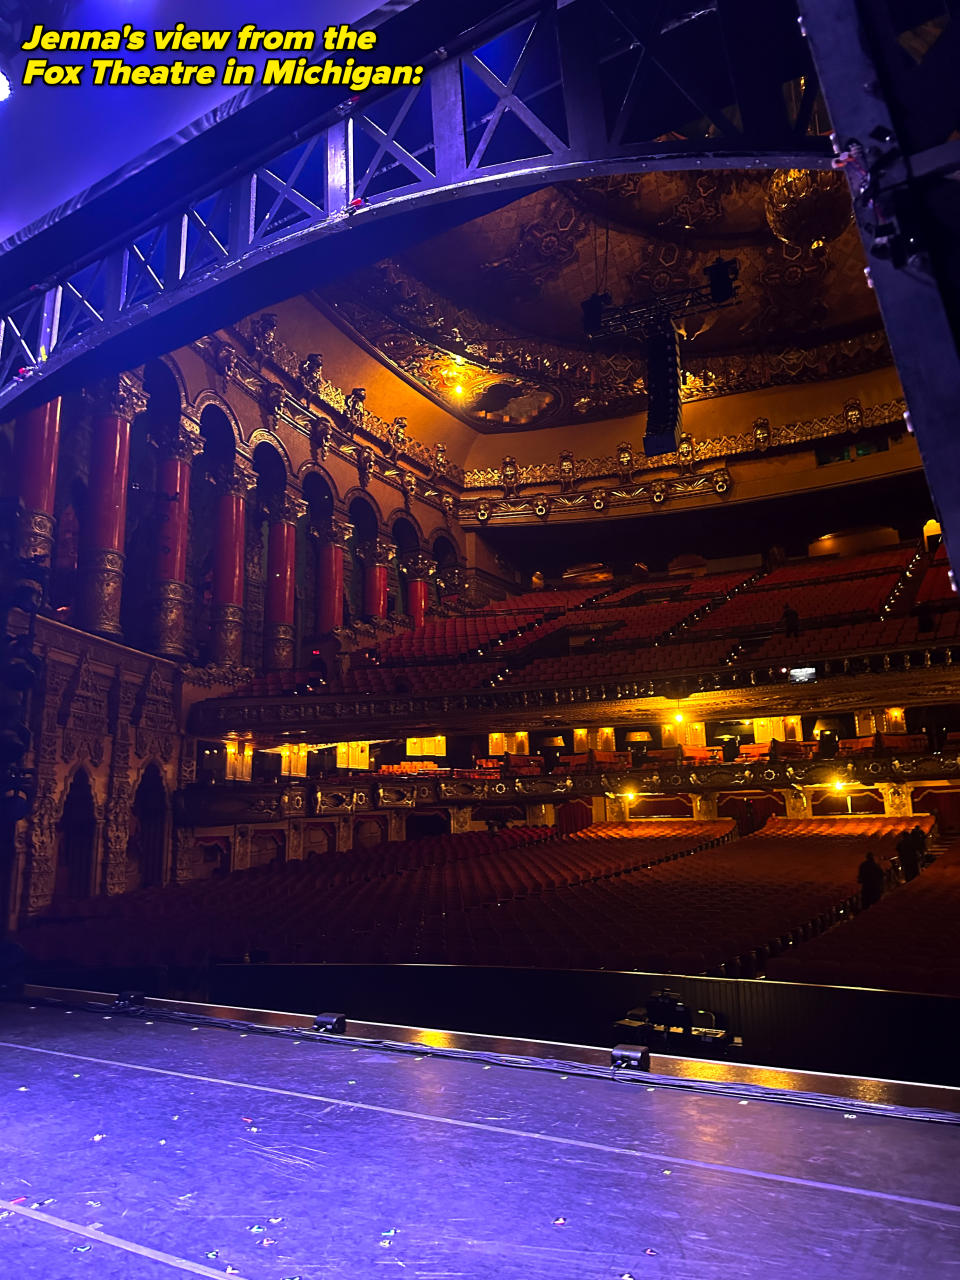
column 535, row 95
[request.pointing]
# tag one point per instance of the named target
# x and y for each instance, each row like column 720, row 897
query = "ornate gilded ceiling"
column 487, row 317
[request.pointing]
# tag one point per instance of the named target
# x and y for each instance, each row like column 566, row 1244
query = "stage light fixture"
column 630, row 1057
column 130, row 1000
column 721, row 275
column 331, row 1024
column 5, row 87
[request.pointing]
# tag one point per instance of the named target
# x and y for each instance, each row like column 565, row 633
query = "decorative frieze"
column 627, row 460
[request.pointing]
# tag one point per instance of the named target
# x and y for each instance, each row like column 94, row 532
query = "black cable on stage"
column 714, row 1088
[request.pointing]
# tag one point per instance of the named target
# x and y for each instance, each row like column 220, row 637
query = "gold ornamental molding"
column 717, row 481
column 629, row 460
column 258, row 334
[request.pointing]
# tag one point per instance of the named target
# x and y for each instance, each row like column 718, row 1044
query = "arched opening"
column 77, row 840
column 368, row 833
column 444, row 552
column 407, row 541
column 219, row 444
column 209, row 471
column 445, row 555
column 66, row 552
column 146, row 848
column 163, row 407
column 405, row 536
column 319, row 499
column 365, row 523
column 312, row 536
column 147, row 504
column 271, row 476
column 140, row 539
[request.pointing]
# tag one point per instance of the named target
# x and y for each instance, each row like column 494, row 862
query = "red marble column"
column 376, row 557
column 173, row 504
column 417, row 568
column 228, row 569
column 36, row 445
column 330, row 553
column 418, row 590
column 278, row 632
column 115, row 404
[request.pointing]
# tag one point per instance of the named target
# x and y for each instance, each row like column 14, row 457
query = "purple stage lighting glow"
column 5, row 89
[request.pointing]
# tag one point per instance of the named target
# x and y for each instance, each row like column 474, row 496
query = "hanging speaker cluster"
column 664, row 407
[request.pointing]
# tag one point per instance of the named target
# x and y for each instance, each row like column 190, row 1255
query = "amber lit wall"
column 303, row 326
column 704, row 419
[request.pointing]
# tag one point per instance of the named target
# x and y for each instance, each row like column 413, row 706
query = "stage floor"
column 134, row 1149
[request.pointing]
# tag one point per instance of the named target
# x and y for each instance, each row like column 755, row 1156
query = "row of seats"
column 820, row 568
column 859, row 638
column 680, row 896
column 296, row 908
column 705, row 624
column 755, row 609
column 448, row 637
column 418, row 678
column 630, row 664
column 906, row 942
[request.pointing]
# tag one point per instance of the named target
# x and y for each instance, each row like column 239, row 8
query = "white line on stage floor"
column 635, row 1153
column 102, row 1237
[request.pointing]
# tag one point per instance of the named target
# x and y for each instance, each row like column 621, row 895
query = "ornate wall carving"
column 153, row 719
column 759, row 438
column 83, row 715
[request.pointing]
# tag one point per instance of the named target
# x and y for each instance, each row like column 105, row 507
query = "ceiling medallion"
column 807, row 207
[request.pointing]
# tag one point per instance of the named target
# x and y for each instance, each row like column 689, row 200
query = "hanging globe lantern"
column 807, row 207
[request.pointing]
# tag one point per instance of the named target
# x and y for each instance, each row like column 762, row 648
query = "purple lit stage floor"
column 135, row 1150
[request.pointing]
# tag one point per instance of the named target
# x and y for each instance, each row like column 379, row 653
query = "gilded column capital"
column 242, row 479
column 120, row 396
column 379, row 551
column 339, row 531
column 288, row 509
column 417, row 566
column 185, row 442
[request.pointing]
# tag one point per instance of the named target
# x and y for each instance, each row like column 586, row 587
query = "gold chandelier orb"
column 807, row 207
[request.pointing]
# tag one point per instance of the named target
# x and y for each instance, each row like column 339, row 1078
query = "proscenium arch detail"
column 248, row 263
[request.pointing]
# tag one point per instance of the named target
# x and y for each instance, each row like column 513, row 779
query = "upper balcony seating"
column 936, row 588
column 670, row 626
